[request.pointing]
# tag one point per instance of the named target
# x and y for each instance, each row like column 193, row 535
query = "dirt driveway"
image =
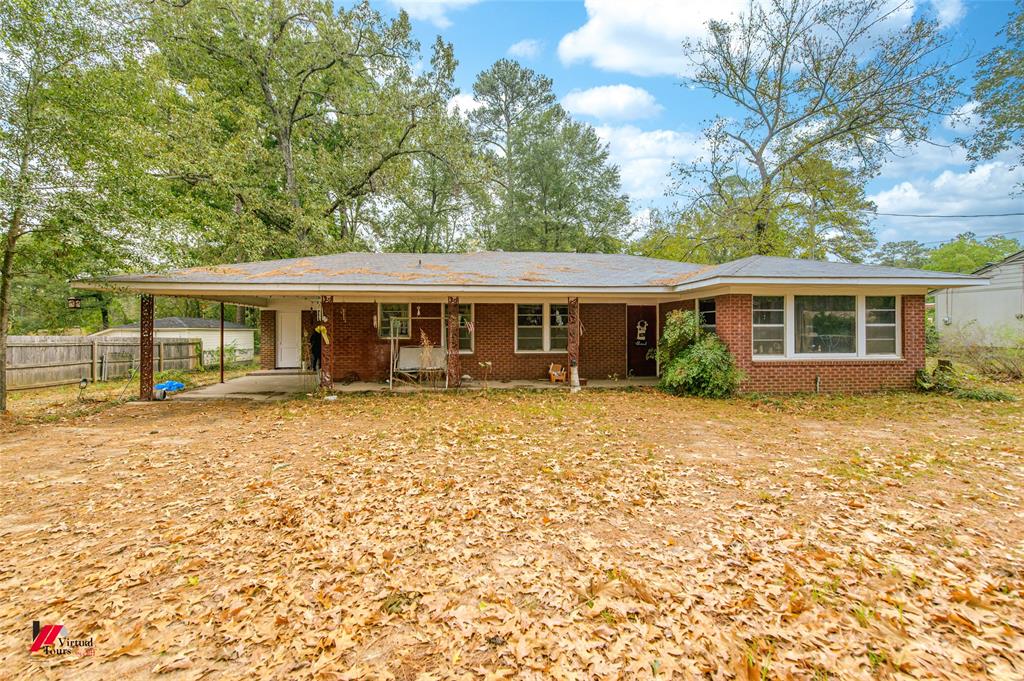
column 520, row 535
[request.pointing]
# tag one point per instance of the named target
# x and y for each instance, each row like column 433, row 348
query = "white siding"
column 995, row 311
column 241, row 339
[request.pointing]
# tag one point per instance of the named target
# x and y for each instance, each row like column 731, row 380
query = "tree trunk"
column 760, row 243
column 6, row 270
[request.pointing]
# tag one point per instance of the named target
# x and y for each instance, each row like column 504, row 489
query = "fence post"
column 160, row 358
column 93, row 373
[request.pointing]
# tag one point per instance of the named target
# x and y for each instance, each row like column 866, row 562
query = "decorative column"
column 145, row 346
column 326, row 349
column 454, row 367
column 573, row 344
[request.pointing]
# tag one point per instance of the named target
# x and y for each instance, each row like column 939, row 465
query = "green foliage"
column 694, row 361
column 966, row 253
column 551, row 186
column 949, row 380
column 999, row 94
column 786, row 170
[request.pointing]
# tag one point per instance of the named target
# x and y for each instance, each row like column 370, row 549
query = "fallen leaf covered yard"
column 792, row 325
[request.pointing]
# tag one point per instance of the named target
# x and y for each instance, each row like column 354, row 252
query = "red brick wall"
column 357, row 348
column 268, row 339
column 733, row 317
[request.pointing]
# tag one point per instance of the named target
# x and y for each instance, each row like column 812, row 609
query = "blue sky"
column 617, row 63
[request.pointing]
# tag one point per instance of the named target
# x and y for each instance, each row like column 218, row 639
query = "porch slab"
column 262, row 387
column 271, row 386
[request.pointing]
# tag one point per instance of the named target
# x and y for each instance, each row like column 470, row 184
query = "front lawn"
column 617, row 534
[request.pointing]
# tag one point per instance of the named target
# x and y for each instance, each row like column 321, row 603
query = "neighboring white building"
column 237, row 336
column 992, row 314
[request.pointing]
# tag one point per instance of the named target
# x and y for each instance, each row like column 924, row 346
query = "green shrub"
column 947, row 380
column 695, row 361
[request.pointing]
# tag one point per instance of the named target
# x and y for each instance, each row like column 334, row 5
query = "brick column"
column 268, row 339
column 145, row 347
column 912, row 308
column 454, row 365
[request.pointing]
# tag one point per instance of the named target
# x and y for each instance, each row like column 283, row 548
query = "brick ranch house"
column 792, row 325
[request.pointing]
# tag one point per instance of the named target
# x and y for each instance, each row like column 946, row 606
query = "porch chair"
column 558, row 374
column 412, row 361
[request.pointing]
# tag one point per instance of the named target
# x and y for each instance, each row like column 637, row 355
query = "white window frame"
column 861, row 315
column 472, row 334
column 785, row 326
column 546, row 349
column 895, row 325
column 708, row 327
column 385, row 334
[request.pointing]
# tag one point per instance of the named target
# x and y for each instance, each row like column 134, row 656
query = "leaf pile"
column 521, row 535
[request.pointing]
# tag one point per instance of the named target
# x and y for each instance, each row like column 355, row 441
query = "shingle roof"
column 771, row 266
column 513, row 269
column 187, row 323
column 487, row 268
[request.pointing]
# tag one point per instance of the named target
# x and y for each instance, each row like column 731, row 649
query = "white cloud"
column 962, row 120
column 526, row 49
column 643, row 37
column 949, row 12
column 612, row 102
column 989, row 189
column 645, row 157
column 434, row 11
column 464, row 102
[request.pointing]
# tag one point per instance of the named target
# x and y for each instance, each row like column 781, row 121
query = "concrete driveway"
column 256, row 387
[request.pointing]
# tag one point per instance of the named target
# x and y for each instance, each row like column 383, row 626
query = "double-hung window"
column 466, row 328
column 706, row 310
column 399, row 313
column 769, row 325
column 542, row 327
column 880, row 325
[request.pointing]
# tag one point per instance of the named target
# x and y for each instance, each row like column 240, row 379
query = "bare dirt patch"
column 531, row 535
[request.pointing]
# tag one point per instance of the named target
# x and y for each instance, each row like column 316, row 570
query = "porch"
column 269, row 386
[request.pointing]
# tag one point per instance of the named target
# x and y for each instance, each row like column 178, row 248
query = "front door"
column 642, row 336
column 289, row 340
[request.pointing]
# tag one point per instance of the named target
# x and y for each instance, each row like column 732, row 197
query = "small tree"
column 695, row 361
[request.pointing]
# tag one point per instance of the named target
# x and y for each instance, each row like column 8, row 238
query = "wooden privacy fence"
column 40, row 361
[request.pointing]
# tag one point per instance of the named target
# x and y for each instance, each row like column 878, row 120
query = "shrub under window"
column 693, row 360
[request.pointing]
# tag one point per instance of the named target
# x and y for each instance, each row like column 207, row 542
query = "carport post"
column 146, row 346
column 222, row 342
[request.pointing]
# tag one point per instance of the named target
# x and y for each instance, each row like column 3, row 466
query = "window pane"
column 530, row 315
column 706, row 308
column 389, row 311
column 881, row 302
column 530, row 338
column 881, row 316
column 826, row 324
column 881, row 340
column 769, row 347
column 559, row 315
column 769, row 302
column 769, row 317
column 559, row 338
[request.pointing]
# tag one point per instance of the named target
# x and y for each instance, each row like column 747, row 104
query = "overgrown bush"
column 948, row 380
column 695, row 361
column 994, row 354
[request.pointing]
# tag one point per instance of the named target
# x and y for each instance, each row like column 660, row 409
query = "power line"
column 978, row 215
column 946, row 216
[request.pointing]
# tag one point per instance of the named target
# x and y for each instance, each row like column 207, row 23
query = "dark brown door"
column 642, row 336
